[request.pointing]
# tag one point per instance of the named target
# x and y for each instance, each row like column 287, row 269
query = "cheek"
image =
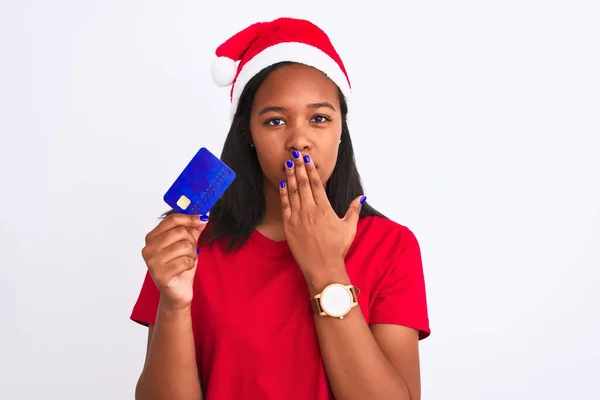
column 266, row 160
column 264, row 146
column 270, row 162
column 327, row 166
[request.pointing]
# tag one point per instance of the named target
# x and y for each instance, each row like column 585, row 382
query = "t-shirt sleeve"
column 400, row 296
column 146, row 306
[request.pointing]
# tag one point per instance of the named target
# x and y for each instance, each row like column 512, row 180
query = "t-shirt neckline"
column 268, row 245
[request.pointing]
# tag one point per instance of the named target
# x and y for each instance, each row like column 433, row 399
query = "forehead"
column 296, row 84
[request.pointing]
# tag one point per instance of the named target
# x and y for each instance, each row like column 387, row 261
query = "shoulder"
column 384, row 231
column 387, row 242
column 392, row 249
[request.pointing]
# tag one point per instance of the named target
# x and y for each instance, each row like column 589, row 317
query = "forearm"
column 170, row 371
column 356, row 367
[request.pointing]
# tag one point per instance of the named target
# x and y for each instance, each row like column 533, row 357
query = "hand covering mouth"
column 284, row 168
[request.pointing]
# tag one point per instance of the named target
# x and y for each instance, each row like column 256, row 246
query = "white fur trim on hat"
column 293, row 52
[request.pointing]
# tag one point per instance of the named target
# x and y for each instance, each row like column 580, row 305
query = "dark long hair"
column 242, row 207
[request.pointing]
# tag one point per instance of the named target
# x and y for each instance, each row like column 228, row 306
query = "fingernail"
column 204, row 218
column 197, row 250
column 295, row 154
column 362, row 201
column 289, row 163
column 282, row 184
column 306, row 159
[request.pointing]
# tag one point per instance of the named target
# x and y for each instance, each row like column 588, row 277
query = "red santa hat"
column 263, row 44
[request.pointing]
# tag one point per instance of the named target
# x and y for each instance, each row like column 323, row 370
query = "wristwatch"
column 336, row 300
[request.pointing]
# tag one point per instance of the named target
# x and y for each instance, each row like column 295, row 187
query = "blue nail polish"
column 282, row 184
column 306, row 159
column 204, row 218
column 289, row 163
column 362, row 201
column 197, row 250
column 295, row 154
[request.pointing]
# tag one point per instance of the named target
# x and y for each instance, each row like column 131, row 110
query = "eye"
column 275, row 122
column 319, row 119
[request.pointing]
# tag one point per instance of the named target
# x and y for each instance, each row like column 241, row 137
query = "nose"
column 299, row 139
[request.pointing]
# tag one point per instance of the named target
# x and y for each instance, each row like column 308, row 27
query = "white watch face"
column 336, row 300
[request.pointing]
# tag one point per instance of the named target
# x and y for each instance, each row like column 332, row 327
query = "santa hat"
column 263, row 44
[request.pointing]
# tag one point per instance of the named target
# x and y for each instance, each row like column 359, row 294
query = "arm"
column 364, row 364
column 170, row 371
column 360, row 364
column 171, row 255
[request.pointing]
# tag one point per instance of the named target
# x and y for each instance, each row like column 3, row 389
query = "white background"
column 476, row 124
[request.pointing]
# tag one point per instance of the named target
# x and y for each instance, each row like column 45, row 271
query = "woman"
column 296, row 288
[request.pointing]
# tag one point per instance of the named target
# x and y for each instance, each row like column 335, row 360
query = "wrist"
column 318, row 279
column 168, row 308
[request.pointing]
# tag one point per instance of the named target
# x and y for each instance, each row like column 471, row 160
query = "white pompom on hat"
column 223, row 71
column 263, row 44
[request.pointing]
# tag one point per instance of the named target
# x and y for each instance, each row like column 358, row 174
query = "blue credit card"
column 200, row 185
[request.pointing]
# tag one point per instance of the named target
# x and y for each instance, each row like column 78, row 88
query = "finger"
column 180, row 265
column 306, row 196
column 318, row 190
column 286, row 207
column 196, row 233
column 353, row 213
column 292, row 186
column 183, row 248
column 174, row 235
column 198, row 229
column 173, row 220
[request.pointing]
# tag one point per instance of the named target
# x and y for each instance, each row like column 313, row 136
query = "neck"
column 272, row 224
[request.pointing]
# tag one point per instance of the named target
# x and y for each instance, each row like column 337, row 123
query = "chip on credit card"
column 200, row 185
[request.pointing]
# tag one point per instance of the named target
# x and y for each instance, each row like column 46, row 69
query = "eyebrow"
column 324, row 104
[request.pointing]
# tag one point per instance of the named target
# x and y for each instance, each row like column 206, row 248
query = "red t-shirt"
column 252, row 319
